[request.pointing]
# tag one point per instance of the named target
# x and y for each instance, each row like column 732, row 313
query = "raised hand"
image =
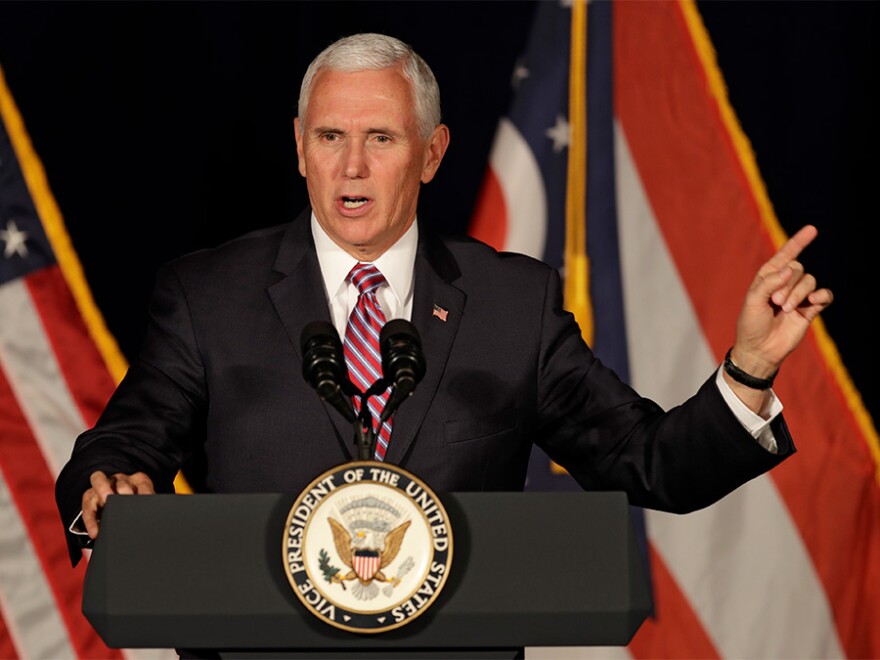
column 779, row 306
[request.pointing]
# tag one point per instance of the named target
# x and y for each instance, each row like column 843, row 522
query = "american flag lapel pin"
column 440, row 313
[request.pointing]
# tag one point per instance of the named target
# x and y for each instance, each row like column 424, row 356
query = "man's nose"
column 355, row 166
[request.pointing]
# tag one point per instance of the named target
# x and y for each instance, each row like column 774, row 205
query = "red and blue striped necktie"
column 362, row 347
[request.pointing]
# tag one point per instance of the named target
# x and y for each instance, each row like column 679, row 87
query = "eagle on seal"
column 366, row 564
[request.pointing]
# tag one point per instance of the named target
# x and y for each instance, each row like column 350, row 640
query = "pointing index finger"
column 792, row 248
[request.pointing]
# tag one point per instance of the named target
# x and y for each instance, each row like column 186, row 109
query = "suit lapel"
column 298, row 298
column 435, row 268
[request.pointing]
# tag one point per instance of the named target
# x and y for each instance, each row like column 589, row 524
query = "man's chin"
column 361, row 245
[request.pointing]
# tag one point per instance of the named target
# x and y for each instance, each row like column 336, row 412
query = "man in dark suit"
column 219, row 375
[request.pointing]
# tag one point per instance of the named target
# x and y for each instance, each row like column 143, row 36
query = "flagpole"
column 577, row 271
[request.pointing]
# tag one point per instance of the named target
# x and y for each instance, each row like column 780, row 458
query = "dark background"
column 165, row 127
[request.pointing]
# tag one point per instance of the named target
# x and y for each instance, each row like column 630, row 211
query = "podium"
column 206, row 572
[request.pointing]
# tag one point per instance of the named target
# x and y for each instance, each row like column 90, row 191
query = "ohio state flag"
column 677, row 223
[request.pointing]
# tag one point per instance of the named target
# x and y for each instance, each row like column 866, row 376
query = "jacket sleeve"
column 610, row 438
column 156, row 416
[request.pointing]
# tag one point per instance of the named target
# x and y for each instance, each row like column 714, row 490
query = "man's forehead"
column 372, row 98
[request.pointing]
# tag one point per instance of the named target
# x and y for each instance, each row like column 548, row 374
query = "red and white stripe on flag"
column 787, row 566
column 58, row 367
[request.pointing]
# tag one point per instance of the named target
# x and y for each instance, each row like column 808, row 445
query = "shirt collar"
column 396, row 264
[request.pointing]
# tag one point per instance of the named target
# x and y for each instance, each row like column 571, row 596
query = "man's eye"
column 382, row 138
column 329, row 137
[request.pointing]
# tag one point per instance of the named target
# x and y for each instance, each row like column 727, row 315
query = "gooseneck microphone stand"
column 364, row 433
column 324, row 367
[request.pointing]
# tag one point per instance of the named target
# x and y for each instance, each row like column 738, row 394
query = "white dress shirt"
column 396, row 265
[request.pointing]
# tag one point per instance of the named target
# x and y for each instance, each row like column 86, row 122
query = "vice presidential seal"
column 367, row 547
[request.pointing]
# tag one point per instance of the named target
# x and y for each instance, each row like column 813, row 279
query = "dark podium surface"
column 206, row 571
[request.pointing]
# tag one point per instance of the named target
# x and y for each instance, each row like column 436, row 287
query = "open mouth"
column 354, row 202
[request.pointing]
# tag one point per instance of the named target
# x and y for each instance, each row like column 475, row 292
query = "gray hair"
column 371, row 52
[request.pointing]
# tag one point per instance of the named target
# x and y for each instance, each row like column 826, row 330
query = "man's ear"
column 297, row 134
column 434, row 151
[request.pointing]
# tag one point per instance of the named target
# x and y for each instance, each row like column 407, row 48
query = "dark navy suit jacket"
column 219, row 377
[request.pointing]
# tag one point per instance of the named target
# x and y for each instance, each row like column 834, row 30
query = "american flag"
column 58, row 367
column 677, row 223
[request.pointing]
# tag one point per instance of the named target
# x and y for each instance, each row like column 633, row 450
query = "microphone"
column 324, row 366
column 403, row 363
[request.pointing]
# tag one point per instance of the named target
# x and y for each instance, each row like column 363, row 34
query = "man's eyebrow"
column 318, row 130
column 376, row 130
column 384, row 130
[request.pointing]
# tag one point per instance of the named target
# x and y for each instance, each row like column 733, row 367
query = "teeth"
column 353, row 202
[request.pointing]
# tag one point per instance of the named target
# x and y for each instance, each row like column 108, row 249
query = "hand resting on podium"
column 95, row 498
